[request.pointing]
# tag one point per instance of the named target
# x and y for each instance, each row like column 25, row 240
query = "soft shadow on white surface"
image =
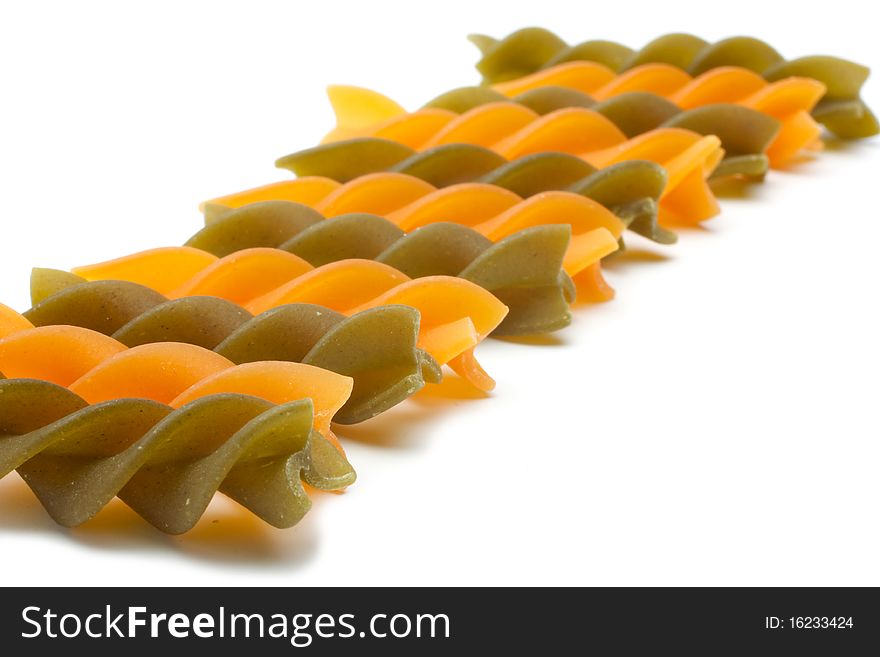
column 227, row 534
column 638, row 255
column 548, row 340
column 834, row 145
column 714, row 424
column 402, row 427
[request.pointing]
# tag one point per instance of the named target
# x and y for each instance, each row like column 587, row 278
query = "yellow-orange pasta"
column 790, row 100
column 455, row 314
column 493, row 211
column 513, row 131
column 98, row 368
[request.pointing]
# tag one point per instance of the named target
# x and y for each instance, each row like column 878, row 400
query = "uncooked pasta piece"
column 610, row 54
column 538, row 295
column 443, row 166
column 451, row 164
column 100, row 368
column 489, row 209
column 60, row 354
column 163, row 269
column 253, row 278
column 688, row 160
column 266, row 223
column 746, row 134
column 376, row 348
column 468, row 203
column 458, row 100
column 749, row 138
column 631, row 191
column 542, row 172
column 789, row 100
column 412, row 130
column 660, row 79
column 203, row 321
column 497, row 212
column 93, row 360
column 576, row 131
column 242, row 275
column 568, row 130
column 159, row 371
column 550, row 98
column 586, row 77
column 186, row 271
column 455, row 314
column 674, row 49
column 361, row 157
column 167, row 461
column 373, row 193
column 370, row 111
column 493, row 125
column 278, row 382
column 357, row 235
column 841, row 109
column 523, row 270
column 485, row 125
column 306, row 190
column 11, row 321
column 521, row 53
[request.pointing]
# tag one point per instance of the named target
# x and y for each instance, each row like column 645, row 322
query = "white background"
column 715, row 424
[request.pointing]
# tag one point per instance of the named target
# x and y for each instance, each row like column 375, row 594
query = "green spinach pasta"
column 523, row 270
column 164, row 463
column 163, row 426
column 376, row 347
column 841, row 109
column 631, row 189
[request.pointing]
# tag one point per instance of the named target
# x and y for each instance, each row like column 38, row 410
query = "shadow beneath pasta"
column 545, row 340
column 684, row 230
column 834, row 144
column 635, row 254
column 227, row 533
column 402, row 427
column 802, row 162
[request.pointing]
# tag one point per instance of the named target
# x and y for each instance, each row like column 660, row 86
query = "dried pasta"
column 789, row 100
column 375, row 347
column 631, row 189
column 512, row 130
column 746, row 134
column 840, row 108
column 163, row 427
column 769, row 120
column 493, row 211
column 167, row 375
column 523, row 269
column 455, row 314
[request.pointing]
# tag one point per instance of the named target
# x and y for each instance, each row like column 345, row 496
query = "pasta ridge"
column 840, row 107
